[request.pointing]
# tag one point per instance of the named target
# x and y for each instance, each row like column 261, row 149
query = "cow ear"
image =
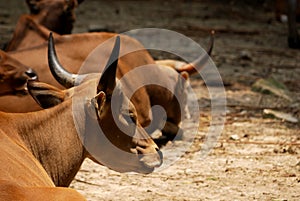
column 44, row 94
column 107, row 81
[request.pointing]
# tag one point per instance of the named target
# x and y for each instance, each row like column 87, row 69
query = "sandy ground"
column 256, row 157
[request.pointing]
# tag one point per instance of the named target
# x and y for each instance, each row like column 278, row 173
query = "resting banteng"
column 43, row 149
column 13, row 75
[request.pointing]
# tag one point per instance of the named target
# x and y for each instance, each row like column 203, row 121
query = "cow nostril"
column 31, row 74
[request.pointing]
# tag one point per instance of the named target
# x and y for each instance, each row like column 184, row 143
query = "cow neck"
column 51, row 137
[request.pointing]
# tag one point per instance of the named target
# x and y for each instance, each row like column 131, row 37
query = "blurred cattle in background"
column 32, row 29
column 56, row 15
column 289, row 10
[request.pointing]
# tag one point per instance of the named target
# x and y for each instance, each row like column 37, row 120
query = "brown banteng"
column 13, row 75
column 43, row 149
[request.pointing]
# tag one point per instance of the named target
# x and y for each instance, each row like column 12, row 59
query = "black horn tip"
column 118, row 39
column 107, row 81
column 115, row 52
column 50, row 39
column 51, row 47
column 117, row 44
column 211, row 43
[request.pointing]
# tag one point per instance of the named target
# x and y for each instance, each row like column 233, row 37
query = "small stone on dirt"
column 234, row 137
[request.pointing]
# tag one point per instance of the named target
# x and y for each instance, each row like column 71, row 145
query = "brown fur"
column 22, row 177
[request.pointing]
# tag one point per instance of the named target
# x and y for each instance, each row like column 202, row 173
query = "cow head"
column 13, row 75
column 56, row 15
column 119, row 124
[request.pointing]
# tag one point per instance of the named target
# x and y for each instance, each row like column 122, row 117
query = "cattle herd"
column 42, row 146
column 41, row 81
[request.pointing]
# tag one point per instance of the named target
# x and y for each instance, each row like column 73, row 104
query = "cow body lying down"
column 41, row 150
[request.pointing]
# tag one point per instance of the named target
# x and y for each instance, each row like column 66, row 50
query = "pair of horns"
column 68, row 79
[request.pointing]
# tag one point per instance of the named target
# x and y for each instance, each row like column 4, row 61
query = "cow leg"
column 293, row 37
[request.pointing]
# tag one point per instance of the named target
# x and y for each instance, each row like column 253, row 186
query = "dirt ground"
column 257, row 157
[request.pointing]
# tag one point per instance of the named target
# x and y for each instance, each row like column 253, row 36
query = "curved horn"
column 107, row 81
column 200, row 62
column 64, row 77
